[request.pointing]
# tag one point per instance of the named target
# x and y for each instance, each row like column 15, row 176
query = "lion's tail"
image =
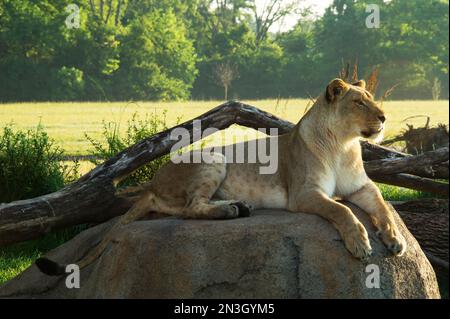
column 139, row 209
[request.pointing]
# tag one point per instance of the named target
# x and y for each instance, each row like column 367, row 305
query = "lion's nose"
column 382, row 118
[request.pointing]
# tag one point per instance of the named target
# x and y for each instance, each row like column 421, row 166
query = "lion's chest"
column 343, row 177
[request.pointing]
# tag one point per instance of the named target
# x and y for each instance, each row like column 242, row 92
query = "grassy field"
column 67, row 124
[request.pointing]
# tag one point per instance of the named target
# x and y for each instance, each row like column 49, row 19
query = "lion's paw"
column 357, row 242
column 394, row 241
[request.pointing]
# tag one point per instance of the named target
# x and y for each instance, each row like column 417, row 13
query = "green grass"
column 67, row 122
column 16, row 258
column 394, row 193
column 13, row 263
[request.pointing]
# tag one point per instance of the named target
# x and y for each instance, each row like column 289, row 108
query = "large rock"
column 272, row 254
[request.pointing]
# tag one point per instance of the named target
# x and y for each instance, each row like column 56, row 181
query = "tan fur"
column 319, row 161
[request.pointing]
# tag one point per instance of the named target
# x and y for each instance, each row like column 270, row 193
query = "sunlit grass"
column 68, row 122
column 394, row 193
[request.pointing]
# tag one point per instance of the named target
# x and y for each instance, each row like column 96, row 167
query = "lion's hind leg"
column 203, row 208
column 200, row 193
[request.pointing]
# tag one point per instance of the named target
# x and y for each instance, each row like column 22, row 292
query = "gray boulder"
column 272, row 254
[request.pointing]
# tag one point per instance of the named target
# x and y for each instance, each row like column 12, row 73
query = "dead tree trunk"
column 413, row 182
column 416, row 165
column 92, row 198
column 428, row 221
column 408, row 171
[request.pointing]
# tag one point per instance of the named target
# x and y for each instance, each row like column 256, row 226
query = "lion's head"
column 355, row 111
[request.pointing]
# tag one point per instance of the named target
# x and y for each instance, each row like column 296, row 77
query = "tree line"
column 65, row 50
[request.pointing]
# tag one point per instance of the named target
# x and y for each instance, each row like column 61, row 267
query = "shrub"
column 69, row 84
column 137, row 130
column 30, row 164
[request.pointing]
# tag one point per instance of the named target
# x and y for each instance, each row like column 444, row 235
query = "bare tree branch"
column 110, row 7
column 410, row 164
column 269, row 14
column 92, row 5
column 101, row 10
column 224, row 74
column 118, row 10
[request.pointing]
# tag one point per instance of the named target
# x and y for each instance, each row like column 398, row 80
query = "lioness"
column 319, row 160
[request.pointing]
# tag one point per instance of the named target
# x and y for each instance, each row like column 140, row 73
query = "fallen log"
column 440, row 170
column 91, row 197
column 428, row 221
column 373, row 152
column 434, row 206
column 412, row 182
column 410, row 165
column 75, row 204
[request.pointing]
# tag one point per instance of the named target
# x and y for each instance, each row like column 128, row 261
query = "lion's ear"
column 334, row 89
column 360, row 83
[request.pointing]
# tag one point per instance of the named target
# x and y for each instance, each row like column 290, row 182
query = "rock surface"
column 272, row 254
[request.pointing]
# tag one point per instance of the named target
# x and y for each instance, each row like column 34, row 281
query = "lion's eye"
column 360, row 104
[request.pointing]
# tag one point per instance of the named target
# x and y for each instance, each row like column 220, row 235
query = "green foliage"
column 169, row 49
column 142, row 54
column 261, row 72
column 411, row 45
column 137, row 129
column 71, row 84
column 394, row 193
column 415, row 47
column 16, row 258
column 158, row 61
column 31, row 37
column 30, row 165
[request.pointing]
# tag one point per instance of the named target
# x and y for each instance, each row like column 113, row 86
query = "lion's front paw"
column 357, row 242
column 394, row 241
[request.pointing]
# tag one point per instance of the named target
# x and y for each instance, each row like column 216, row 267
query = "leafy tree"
column 415, row 46
column 169, row 49
column 300, row 74
column 32, row 38
column 157, row 59
column 342, row 36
